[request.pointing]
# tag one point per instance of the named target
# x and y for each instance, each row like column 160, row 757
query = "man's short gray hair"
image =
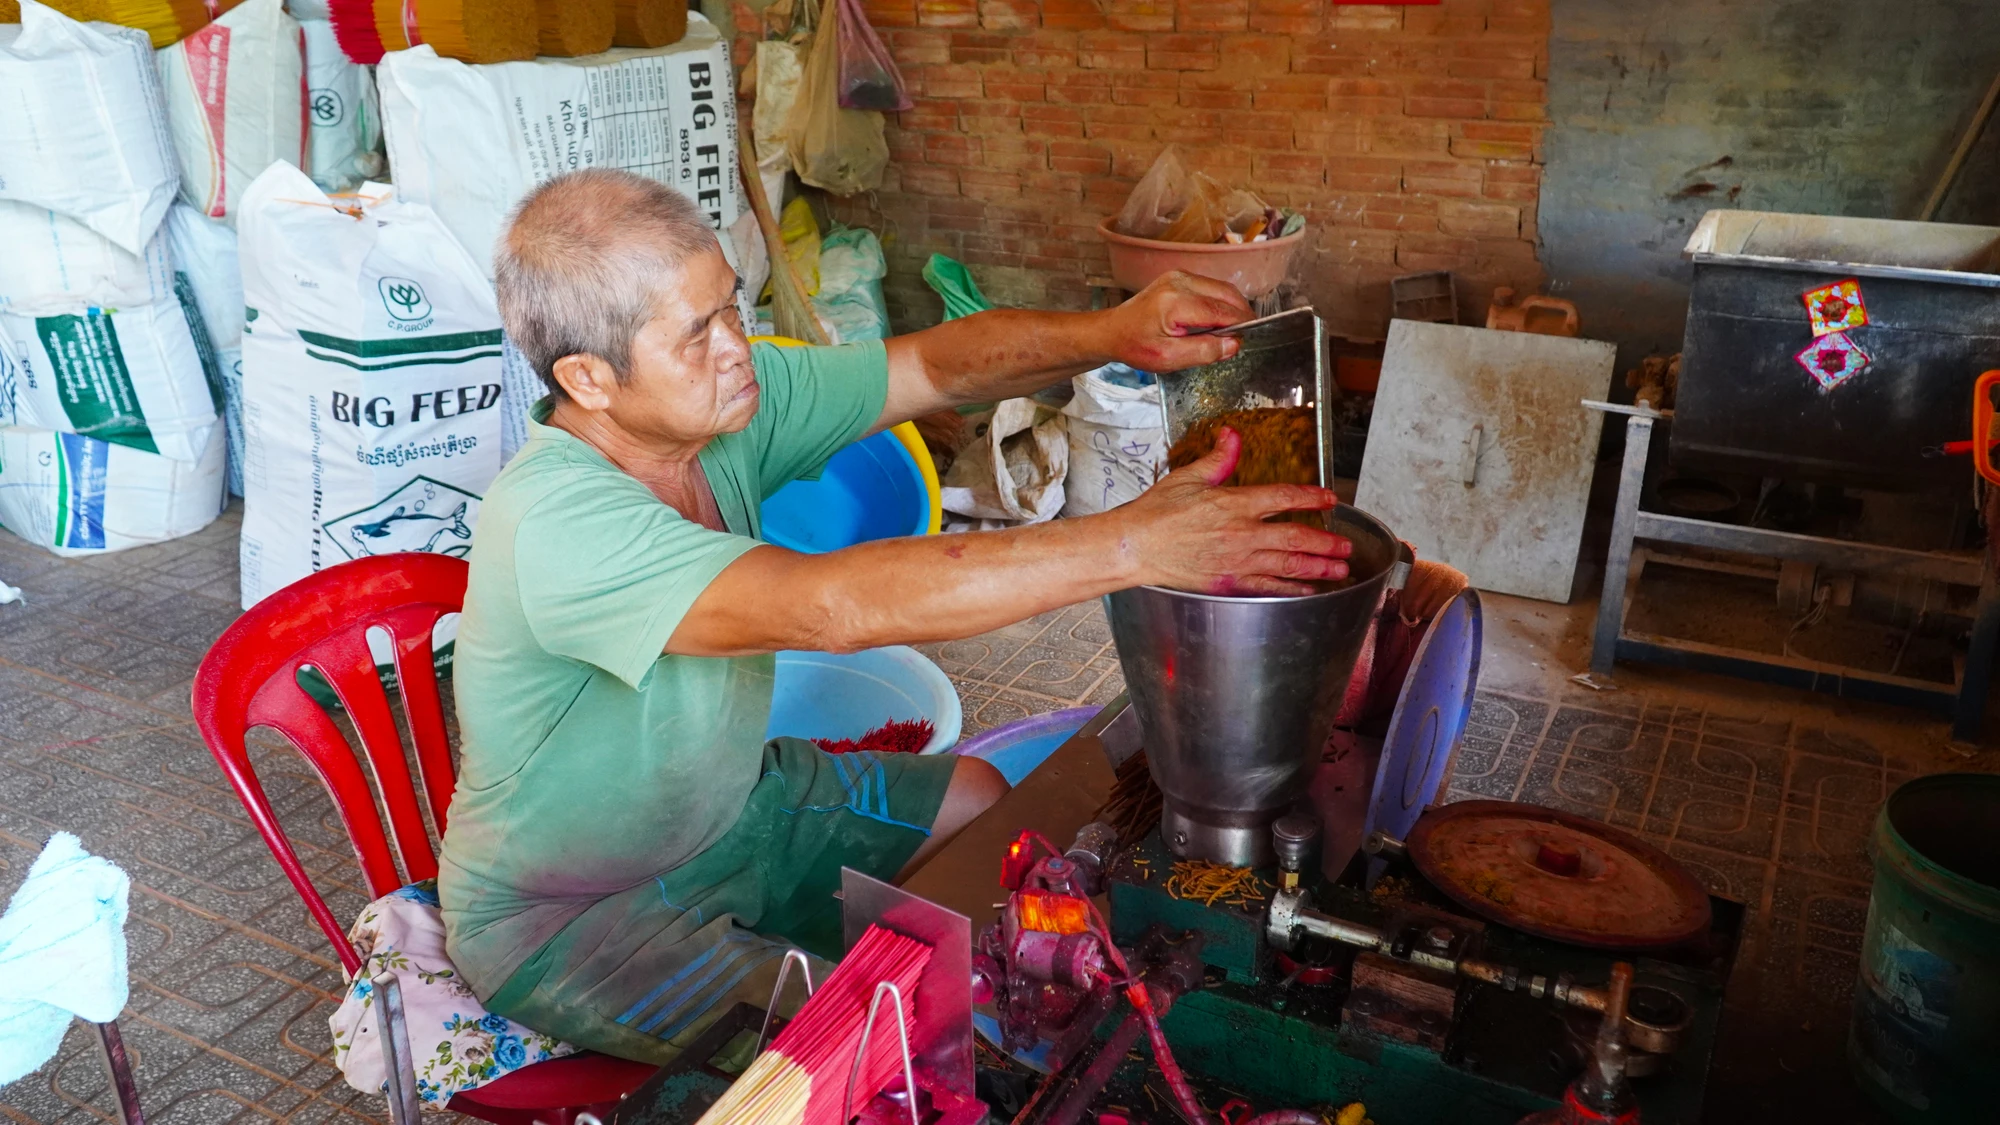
column 580, row 266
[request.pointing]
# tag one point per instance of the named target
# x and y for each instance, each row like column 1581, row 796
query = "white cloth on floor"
column 455, row 1043
column 62, row 953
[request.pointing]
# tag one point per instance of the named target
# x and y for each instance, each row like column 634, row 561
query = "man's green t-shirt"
column 590, row 762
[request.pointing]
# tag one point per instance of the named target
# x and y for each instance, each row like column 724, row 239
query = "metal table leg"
column 1618, row 562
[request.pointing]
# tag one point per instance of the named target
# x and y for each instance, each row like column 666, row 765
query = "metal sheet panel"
column 1480, row 451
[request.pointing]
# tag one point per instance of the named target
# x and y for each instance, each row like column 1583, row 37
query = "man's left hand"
column 1160, row 328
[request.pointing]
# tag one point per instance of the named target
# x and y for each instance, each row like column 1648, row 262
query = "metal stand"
column 398, row 1065
column 1964, row 701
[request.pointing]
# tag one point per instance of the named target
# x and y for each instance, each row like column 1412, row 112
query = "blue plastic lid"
column 1429, row 720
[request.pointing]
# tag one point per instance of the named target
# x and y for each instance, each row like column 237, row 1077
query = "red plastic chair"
column 250, row 679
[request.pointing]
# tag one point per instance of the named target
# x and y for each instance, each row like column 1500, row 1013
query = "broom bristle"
column 354, row 29
column 803, row 1076
column 568, row 28
column 166, row 22
column 649, row 23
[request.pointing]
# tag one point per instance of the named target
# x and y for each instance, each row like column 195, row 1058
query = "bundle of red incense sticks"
column 801, row 1079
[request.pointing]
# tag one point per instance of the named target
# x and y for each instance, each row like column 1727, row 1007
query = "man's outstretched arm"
column 1186, row 532
column 1005, row 353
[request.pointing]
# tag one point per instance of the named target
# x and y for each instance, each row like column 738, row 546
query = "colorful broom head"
column 568, row 28
column 649, row 23
column 802, row 1078
column 166, row 21
column 474, row 31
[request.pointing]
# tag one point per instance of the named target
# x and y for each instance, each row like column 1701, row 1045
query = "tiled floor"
column 1767, row 798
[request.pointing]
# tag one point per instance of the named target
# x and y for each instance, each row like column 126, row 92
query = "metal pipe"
column 398, row 1065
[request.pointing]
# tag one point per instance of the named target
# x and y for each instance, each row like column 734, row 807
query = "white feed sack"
column 82, row 130
column 135, row 376
column 1117, row 440
column 51, row 263
column 77, row 495
column 345, row 146
column 204, row 266
column 235, row 94
column 372, row 381
column 471, row 140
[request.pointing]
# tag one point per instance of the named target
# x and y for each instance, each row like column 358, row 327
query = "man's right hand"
column 1190, row 533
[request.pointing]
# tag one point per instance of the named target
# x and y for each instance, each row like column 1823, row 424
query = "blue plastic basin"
column 1017, row 748
column 870, row 490
column 828, row 695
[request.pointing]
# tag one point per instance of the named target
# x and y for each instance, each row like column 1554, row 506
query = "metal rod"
column 1604, row 1080
column 777, row 990
column 1961, row 569
column 398, row 1067
column 861, row 1052
column 1618, row 563
column 111, row 1047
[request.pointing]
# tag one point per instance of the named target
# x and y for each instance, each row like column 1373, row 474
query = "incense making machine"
column 1477, row 962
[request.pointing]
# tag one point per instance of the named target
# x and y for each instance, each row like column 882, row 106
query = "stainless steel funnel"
column 1236, row 696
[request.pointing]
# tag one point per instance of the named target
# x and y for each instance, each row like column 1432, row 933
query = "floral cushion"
column 458, row 1045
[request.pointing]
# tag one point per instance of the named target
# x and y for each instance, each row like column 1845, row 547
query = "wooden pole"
column 791, row 310
column 1964, row 150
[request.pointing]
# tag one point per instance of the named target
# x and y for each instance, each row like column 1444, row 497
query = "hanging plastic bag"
column 868, row 75
column 841, row 150
column 1159, row 197
column 953, row 282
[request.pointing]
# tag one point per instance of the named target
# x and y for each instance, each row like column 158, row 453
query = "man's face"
column 691, row 375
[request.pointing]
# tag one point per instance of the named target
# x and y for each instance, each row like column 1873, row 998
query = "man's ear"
column 587, row 379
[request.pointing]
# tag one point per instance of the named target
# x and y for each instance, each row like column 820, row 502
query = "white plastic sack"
column 1117, row 440
column 82, row 129
column 51, row 263
column 849, row 302
column 235, row 102
column 471, row 140
column 346, row 135
column 77, row 495
column 205, row 266
column 134, row 377
column 371, row 381
column 1012, row 471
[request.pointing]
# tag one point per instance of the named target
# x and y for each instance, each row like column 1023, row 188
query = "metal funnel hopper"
column 1235, row 697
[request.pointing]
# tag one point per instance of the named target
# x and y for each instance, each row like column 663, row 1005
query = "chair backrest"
column 250, row 679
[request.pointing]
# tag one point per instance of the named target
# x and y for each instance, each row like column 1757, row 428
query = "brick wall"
column 1410, row 137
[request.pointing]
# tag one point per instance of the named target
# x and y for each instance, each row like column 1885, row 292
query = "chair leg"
column 111, row 1046
column 399, row 1067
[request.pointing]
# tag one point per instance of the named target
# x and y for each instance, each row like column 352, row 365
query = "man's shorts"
column 642, row 973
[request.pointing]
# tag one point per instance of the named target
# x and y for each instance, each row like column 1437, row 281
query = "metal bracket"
column 861, row 1052
column 778, row 989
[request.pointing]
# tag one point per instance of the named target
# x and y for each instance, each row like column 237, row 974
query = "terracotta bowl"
column 1256, row 268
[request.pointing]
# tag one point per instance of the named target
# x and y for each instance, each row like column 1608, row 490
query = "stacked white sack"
column 108, row 379
column 53, row 263
column 371, row 381
column 235, row 95
column 134, row 376
column 82, row 131
column 78, row 495
column 205, row 265
column 471, row 140
column 344, row 148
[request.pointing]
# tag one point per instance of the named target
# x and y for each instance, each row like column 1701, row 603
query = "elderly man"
column 625, row 849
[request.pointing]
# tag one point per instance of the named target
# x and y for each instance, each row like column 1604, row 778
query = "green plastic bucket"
column 1925, row 1041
